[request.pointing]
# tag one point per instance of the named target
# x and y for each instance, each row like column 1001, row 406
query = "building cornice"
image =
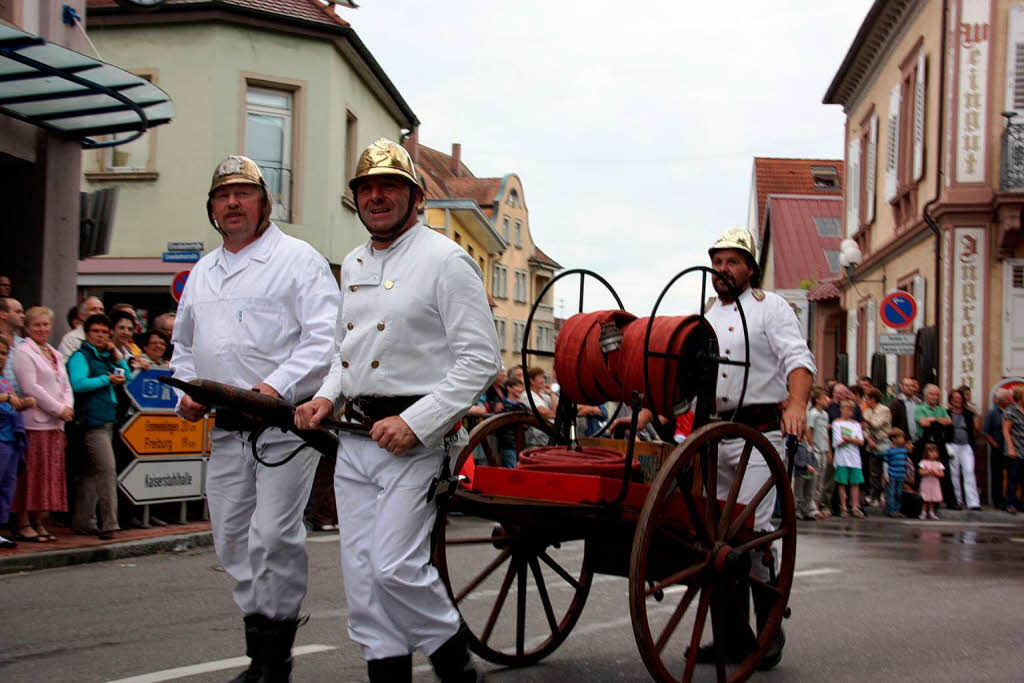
column 344, row 38
column 496, row 244
column 885, row 20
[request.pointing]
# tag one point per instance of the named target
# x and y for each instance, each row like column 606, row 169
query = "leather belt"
column 764, row 417
column 370, row 409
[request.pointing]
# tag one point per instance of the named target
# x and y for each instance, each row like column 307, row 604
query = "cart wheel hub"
column 729, row 563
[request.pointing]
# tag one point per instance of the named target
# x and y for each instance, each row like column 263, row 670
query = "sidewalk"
column 70, row 549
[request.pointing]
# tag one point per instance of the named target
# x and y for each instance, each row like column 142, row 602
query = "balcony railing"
column 1011, row 176
column 545, row 313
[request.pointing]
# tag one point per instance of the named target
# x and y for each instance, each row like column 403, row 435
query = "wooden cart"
column 685, row 546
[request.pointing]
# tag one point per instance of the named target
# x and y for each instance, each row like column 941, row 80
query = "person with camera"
column 94, row 370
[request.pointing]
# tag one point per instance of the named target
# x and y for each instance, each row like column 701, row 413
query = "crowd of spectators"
column 905, row 452
column 60, row 408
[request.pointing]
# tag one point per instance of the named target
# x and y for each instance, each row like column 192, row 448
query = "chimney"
column 412, row 145
column 456, row 157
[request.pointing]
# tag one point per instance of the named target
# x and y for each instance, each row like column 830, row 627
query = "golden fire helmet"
column 381, row 158
column 235, row 170
column 740, row 239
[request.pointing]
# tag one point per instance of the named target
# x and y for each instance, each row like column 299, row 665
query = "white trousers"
column 757, row 473
column 256, row 513
column 396, row 600
column 961, row 472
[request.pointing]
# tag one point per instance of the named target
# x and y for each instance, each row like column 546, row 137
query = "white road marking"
column 216, row 665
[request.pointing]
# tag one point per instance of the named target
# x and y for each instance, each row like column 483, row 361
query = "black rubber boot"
column 390, row 669
column 764, row 600
column 739, row 642
column 452, row 662
column 253, row 649
column 278, row 638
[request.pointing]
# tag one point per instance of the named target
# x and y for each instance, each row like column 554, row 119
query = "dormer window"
column 825, row 177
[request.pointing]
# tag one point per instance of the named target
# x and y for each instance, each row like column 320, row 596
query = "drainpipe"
column 926, row 211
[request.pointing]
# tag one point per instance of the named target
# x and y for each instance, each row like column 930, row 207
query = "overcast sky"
column 633, row 125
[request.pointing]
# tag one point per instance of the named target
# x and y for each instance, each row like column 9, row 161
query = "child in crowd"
column 13, row 440
column 805, row 465
column 817, row 438
column 847, row 438
column 931, row 471
column 894, row 471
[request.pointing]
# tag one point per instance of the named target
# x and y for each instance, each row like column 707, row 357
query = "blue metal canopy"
column 73, row 95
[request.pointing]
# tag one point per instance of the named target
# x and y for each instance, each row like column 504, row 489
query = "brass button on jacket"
column 344, row 363
column 353, row 288
column 380, row 326
column 351, row 325
column 375, row 364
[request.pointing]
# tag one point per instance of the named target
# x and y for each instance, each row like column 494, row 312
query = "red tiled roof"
column 438, row 164
column 309, row 10
column 539, row 255
column 823, row 291
column 480, row 190
column 797, row 249
column 790, row 176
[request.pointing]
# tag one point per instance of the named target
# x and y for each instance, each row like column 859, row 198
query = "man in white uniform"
column 257, row 312
column 415, row 347
column 778, row 383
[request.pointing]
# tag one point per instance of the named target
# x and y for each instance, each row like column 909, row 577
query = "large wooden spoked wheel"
column 519, row 587
column 692, row 558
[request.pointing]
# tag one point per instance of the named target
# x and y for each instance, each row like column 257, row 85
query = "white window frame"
column 501, row 329
column 518, row 332
column 282, row 210
column 499, row 282
column 521, row 286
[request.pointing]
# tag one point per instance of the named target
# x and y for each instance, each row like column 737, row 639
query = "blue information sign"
column 898, row 310
column 147, row 393
column 180, row 256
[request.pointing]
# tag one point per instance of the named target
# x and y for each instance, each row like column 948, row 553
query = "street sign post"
column 178, row 284
column 898, row 310
column 151, row 435
column 163, row 480
column 898, row 344
column 148, row 393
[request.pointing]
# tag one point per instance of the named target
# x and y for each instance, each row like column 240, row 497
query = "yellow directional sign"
column 163, row 434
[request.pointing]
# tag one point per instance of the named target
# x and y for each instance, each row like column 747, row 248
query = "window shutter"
column 851, row 343
column 892, row 144
column 852, row 187
column 917, row 289
column 919, row 118
column 869, row 177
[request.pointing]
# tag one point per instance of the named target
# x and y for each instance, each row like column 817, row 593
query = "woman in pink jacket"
column 42, row 486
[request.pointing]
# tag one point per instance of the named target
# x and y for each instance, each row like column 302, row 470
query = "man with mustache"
column 257, row 312
column 778, row 384
column 415, row 347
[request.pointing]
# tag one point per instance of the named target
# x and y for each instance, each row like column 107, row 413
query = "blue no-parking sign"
column 898, row 310
column 178, row 284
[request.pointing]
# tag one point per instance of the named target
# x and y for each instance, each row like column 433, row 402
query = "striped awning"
column 73, row 95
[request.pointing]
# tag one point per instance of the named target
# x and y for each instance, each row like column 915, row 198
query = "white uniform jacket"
column 776, row 349
column 414, row 320
column 270, row 318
